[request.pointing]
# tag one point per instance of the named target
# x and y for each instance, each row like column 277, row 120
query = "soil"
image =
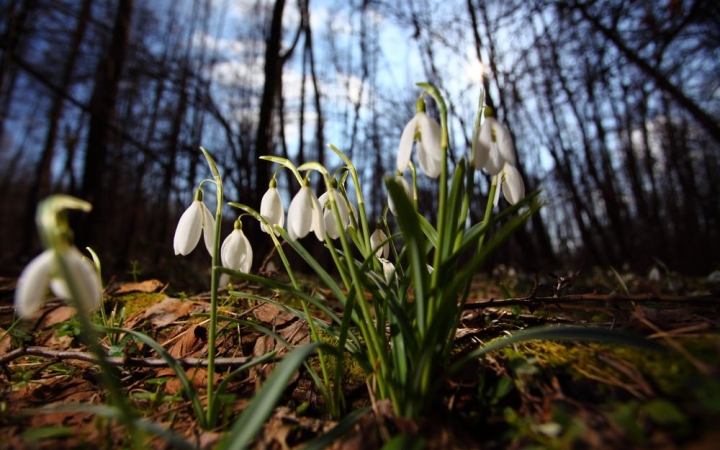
column 541, row 394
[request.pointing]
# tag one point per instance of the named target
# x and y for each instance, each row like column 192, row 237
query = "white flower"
column 512, row 185
column 375, row 239
column 426, row 132
column 654, row 274
column 305, row 215
column 400, row 179
column 493, row 147
column 43, row 271
column 271, row 209
column 388, row 269
column 236, row 252
column 195, row 220
column 331, row 225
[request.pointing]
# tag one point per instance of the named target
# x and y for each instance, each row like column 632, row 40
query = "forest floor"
column 533, row 395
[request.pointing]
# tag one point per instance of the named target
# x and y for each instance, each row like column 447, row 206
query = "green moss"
column 669, row 371
column 136, row 301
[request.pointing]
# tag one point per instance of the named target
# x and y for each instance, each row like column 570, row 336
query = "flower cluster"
column 495, row 152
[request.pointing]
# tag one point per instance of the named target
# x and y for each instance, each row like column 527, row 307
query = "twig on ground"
column 534, row 301
column 125, row 361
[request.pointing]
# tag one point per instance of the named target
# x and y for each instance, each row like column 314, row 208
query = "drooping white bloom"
column 493, row 147
column 376, row 238
column 271, row 208
column 305, row 215
column 403, row 182
column 195, row 220
column 512, row 185
column 388, row 269
column 331, row 225
column 43, row 271
column 426, row 132
column 236, row 252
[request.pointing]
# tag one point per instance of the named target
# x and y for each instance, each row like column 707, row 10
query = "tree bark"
column 102, row 112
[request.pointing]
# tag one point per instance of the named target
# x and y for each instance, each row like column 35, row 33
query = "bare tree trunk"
column 42, row 180
column 10, row 43
column 264, row 141
column 102, row 112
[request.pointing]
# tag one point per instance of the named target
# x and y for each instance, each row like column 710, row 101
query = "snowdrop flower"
column 236, row 252
column 375, row 239
column 426, row 133
column 331, row 225
column 195, row 220
column 43, row 271
column 388, row 269
column 305, row 215
column 403, row 182
column 512, row 185
column 271, row 208
column 493, row 147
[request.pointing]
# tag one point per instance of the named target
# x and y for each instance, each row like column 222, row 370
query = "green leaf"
column 173, row 364
column 49, row 432
column 252, row 419
column 405, row 442
column 345, row 425
column 414, row 247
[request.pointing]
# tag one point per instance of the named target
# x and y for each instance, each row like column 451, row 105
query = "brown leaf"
column 143, row 286
column 296, row 334
column 166, row 312
column 191, row 344
column 270, row 313
column 197, row 376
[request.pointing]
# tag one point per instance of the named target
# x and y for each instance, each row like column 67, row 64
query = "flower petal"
column 82, row 275
column 406, row 142
column 187, row 233
column 429, row 151
column 388, row 269
column 236, row 252
column 271, row 209
column 376, row 238
column 299, row 219
column 482, row 150
column 208, row 228
column 32, row 284
column 318, row 221
column 512, row 184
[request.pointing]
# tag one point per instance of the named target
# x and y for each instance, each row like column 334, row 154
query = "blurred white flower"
column 43, row 271
column 403, row 182
column 426, row 132
column 236, row 252
column 331, row 225
column 271, row 208
column 376, row 238
column 388, row 269
column 654, row 274
column 493, row 147
column 195, row 220
column 512, row 185
column 305, row 215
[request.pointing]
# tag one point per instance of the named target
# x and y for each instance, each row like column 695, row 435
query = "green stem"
column 214, row 281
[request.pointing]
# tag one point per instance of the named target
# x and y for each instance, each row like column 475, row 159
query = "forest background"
column 613, row 105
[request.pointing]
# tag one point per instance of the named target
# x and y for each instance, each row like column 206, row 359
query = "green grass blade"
column 415, row 249
column 252, row 419
column 326, row 439
column 174, row 365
